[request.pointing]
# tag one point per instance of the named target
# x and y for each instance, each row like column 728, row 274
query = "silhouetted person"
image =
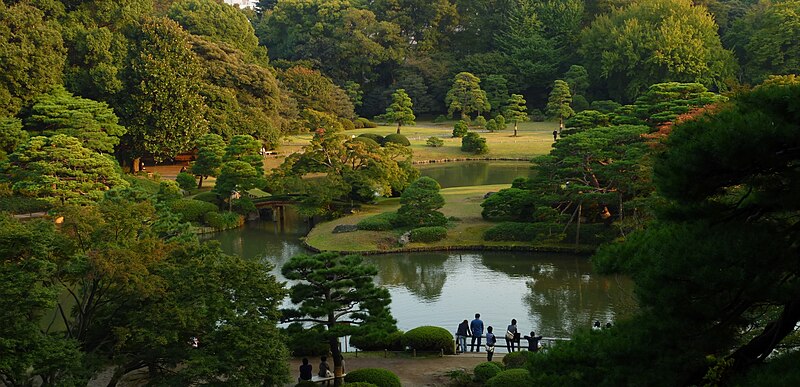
column 477, row 331
column 461, row 335
column 555, row 135
column 305, row 370
column 511, row 334
column 533, row 342
column 324, row 369
column 490, row 340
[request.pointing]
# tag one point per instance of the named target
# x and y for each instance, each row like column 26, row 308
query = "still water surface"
column 553, row 294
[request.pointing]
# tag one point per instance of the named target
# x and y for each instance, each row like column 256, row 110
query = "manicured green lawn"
column 460, row 202
column 533, row 138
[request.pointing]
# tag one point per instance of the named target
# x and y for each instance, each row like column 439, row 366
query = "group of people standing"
column 474, row 329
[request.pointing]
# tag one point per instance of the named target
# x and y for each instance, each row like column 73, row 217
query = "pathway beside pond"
column 419, row 371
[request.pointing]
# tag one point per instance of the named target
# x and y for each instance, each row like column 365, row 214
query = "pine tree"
column 558, row 105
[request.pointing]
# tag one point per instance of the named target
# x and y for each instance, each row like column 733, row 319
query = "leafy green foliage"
column 516, row 112
column 378, row 340
column 222, row 220
column 210, row 150
column 186, row 181
column 644, row 43
column 11, row 135
column 60, row 112
column 419, row 204
column 34, row 55
column 337, row 292
column 219, row 22
column 434, row 142
column 60, row 170
column 559, row 101
column 485, row 371
column 312, row 90
column 511, row 378
column 381, row 222
column 236, row 176
column 305, row 342
column 375, row 137
column 516, row 359
column 396, row 138
column 428, row 234
column 460, row 129
column 524, row 232
column 586, row 119
column 377, row 376
column 429, row 338
column 191, row 210
column 466, row 96
column 164, row 111
column 472, row 142
column 400, row 110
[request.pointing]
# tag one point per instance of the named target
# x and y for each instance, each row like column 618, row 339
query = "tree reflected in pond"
column 424, row 275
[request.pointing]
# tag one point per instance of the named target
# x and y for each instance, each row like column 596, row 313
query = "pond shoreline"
column 460, row 159
column 539, row 249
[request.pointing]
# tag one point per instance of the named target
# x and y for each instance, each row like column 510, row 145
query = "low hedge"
column 191, row 210
column 523, row 232
column 429, row 338
column 347, row 124
column 428, row 234
column 377, row 376
column 434, row 142
column 368, row 141
column 378, row 341
column 222, row 220
column 381, row 222
column 486, row 371
column 375, row 137
column 516, row 359
column 396, row 138
column 362, row 122
column 518, row 377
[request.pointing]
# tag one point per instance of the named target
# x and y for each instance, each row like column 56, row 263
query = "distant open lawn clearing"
column 463, row 203
column 533, row 138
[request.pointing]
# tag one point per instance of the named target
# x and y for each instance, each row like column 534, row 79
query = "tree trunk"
column 135, row 165
column 515, row 128
column 338, row 368
column 398, row 128
column 200, row 184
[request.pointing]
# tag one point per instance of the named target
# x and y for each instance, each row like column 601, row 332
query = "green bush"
column 362, row 122
column 537, row 115
column 378, row 341
column 222, row 220
column 480, row 122
column 524, row 232
column 396, row 138
column 244, row 205
column 518, row 377
column 515, row 359
column 368, row 141
column 191, row 210
column 491, row 125
column 440, row 118
column 303, row 341
column 169, row 190
column 144, row 184
column 377, row 376
column 374, row 137
column 474, row 143
column 428, row 234
column 460, row 129
column 208, row 196
column 434, row 142
column 361, row 384
column 486, row 371
column 429, row 338
column 381, row 222
column 186, row 181
column 347, row 124
column 501, row 122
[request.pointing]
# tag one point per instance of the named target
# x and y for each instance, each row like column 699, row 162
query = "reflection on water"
column 468, row 173
column 553, row 294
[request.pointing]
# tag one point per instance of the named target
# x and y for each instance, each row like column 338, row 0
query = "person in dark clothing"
column 555, row 135
column 490, row 341
column 476, row 326
column 324, row 369
column 511, row 334
column 533, row 342
column 461, row 336
column 305, row 370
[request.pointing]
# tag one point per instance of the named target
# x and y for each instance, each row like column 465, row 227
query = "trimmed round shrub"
column 429, row 338
column 428, row 234
column 518, row 377
column 222, row 220
column 396, row 138
column 375, row 137
column 377, row 376
column 515, row 359
column 169, row 190
column 381, row 222
column 362, row 122
column 440, row 118
column 378, row 341
column 486, row 371
column 460, row 129
column 434, row 142
column 186, row 181
column 190, row 210
column 208, row 196
column 366, row 140
column 347, row 124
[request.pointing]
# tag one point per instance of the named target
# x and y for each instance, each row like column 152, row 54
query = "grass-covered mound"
column 381, row 222
column 429, row 338
column 377, row 376
column 428, row 234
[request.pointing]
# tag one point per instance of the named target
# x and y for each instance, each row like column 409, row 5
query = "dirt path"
column 418, row 371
